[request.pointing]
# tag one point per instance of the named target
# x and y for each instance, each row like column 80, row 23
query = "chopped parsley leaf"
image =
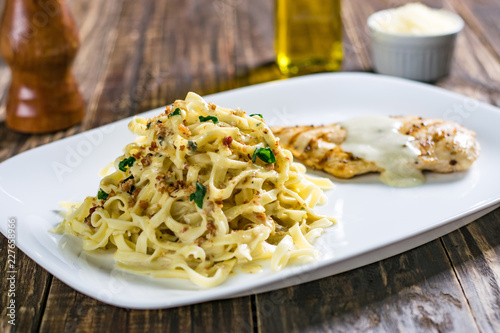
column 265, row 154
column 177, row 112
column 193, row 145
column 207, row 118
column 148, row 125
column 127, row 162
column 256, row 114
column 198, row 195
column 101, row 195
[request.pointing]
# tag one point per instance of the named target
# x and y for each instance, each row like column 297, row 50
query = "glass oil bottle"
column 308, row 36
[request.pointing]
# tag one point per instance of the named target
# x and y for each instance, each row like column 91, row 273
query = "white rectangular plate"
column 375, row 221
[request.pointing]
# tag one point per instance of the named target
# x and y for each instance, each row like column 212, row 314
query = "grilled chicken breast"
column 445, row 146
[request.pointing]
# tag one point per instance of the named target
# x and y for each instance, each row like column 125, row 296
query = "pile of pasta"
column 201, row 191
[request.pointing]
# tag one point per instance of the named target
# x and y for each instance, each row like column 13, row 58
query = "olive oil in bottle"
column 308, row 36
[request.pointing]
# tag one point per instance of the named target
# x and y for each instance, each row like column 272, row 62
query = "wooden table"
column 138, row 55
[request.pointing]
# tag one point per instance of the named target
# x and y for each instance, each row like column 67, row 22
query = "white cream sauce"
column 376, row 139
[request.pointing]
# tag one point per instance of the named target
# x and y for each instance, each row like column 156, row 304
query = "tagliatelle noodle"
column 153, row 212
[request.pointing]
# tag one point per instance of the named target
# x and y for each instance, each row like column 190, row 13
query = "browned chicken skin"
column 445, row 146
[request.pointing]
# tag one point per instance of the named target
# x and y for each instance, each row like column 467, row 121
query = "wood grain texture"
column 135, row 56
column 97, row 39
column 70, row 311
column 396, row 294
column 39, row 43
column 31, row 288
column 475, row 251
column 482, row 17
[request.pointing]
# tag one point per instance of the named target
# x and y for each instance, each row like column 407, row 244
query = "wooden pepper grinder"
column 39, row 40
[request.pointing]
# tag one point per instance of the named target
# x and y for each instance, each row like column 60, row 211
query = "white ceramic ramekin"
column 417, row 57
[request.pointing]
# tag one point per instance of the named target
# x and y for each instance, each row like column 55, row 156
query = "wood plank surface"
column 475, row 251
column 31, row 288
column 396, row 294
column 84, row 314
column 139, row 55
